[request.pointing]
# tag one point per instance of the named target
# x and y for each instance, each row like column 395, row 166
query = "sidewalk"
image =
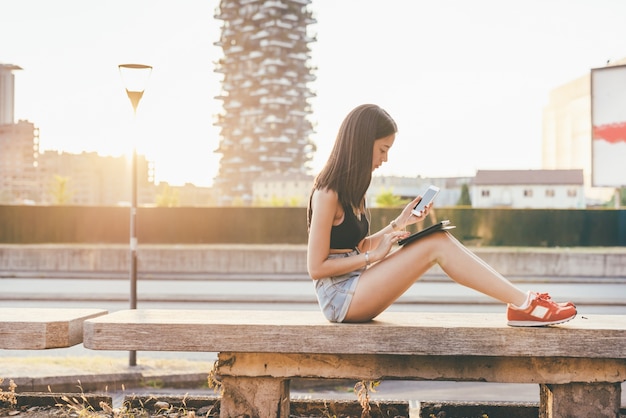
column 101, row 373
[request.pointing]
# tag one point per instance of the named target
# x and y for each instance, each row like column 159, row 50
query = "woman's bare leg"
column 386, row 281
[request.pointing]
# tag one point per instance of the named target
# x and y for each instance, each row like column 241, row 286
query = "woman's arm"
column 325, row 208
column 379, row 244
column 405, row 218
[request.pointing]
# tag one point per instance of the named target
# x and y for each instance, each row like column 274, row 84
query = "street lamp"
column 135, row 77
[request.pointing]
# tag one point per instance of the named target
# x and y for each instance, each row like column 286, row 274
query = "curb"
column 113, row 382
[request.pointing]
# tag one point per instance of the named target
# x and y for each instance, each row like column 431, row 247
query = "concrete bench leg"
column 254, row 397
column 580, row 400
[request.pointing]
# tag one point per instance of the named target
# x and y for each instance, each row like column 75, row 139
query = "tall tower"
column 19, row 147
column 265, row 125
column 7, row 93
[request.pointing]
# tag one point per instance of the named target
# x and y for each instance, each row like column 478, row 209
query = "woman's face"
column 381, row 150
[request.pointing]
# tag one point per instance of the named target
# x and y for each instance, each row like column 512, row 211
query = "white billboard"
column 608, row 120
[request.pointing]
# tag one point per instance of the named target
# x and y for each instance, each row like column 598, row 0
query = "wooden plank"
column 597, row 400
column 259, row 397
column 42, row 328
column 402, row 367
column 406, row 333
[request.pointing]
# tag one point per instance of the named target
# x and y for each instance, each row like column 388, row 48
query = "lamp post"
column 135, row 77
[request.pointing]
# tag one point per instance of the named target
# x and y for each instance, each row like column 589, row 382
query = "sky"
column 466, row 81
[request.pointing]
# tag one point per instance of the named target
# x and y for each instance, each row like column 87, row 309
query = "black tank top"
column 350, row 232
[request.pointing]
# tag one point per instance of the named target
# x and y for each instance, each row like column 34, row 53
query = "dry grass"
column 8, row 398
column 79, row 406
column 362, row 389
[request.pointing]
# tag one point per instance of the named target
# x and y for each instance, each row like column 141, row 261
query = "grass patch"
column 8, row 398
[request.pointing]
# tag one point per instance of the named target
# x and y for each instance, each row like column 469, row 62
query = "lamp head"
column 135, row 78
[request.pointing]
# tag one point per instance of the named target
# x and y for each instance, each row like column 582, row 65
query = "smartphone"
column 427, row 197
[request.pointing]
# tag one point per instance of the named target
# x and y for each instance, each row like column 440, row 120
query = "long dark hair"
column 348, row 170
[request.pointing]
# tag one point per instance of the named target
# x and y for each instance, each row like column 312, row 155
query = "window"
column 484, row 193
column 528, row 192
column 550, row 193
column 572, row 193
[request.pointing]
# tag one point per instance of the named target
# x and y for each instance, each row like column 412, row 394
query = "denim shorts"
column 334, row 294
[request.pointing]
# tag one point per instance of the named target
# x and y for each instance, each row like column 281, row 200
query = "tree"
column 168, row 197
column 386, row 199
column 59, row 190
column 621, row 192
column 464, row 199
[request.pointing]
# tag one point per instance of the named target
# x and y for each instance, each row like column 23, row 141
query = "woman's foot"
column 540, row 310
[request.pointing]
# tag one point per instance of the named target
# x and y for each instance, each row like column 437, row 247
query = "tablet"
column 441, row 226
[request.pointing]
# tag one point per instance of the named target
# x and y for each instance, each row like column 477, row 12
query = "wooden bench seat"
column 42, row 328
column 579, row 365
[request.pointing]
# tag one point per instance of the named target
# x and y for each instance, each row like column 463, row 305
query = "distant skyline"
column 466, row 81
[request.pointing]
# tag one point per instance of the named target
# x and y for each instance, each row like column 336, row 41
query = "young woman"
column 356, row 274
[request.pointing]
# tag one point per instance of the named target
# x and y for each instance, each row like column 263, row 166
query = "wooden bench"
column 42, row 328
column 579, row 365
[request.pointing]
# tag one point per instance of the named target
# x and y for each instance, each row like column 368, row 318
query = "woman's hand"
column 407, row 217
column 386, row 243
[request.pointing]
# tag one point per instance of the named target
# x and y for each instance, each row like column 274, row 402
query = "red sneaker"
column 541, row 311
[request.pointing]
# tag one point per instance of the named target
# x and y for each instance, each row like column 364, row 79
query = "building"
column 188, row 195
column 410, row 187
column 92, row 180
column 528, row 189
column 19, row 146
column 282, row 190
column 265, row 126
column 19, row 154
column 31, row 176
column 7, row 93
column 567, row 134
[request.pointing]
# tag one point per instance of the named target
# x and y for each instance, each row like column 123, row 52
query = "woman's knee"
column 438, row 246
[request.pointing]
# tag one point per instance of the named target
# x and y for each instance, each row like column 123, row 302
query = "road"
column 433, row 294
